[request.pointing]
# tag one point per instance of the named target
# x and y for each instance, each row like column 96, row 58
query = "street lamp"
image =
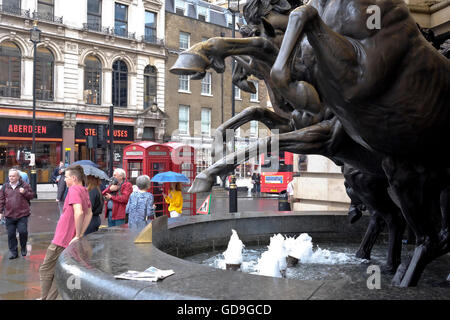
column 35, row 37
column 233, row 6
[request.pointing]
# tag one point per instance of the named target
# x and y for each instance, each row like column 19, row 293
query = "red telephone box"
column 183, row 161
column 151, row 158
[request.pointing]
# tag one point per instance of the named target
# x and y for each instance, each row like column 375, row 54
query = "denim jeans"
column 21, row 225
column 114, row 223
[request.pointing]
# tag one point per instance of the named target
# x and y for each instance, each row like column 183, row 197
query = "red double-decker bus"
column 275, row 179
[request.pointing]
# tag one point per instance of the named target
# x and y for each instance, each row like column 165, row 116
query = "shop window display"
column 18, row 154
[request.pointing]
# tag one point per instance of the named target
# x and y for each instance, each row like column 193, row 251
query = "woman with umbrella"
column 174, row 199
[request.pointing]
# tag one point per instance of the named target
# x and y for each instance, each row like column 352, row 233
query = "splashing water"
column 233, row 254
column 272, row 262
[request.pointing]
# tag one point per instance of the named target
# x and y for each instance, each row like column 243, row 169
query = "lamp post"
column 35, row 37
column 233, row 9
column 233, row 188
column 111, row 139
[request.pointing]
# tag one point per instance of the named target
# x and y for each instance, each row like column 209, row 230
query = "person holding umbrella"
column 174, row 199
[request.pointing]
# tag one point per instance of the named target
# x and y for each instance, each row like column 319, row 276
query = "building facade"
column 92, row 54
column 196, row 107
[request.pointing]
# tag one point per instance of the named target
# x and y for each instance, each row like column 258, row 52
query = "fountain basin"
column 95, row 259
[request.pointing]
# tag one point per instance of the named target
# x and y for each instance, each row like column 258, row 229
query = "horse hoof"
column 360, row 254
column 190, row 64
column 388, row 269
column 400, row 273
column 354, row 215
column 202, row 183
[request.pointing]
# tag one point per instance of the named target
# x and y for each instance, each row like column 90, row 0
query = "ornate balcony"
column 15, row 11
column 47, row 17
column 152, row 40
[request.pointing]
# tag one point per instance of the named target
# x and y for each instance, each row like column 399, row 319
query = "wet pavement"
column 19, row 278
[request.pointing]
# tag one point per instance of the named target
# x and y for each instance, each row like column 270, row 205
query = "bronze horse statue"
column 365, row 82
column 288, row 118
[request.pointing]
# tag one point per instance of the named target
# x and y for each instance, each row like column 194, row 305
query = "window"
column 9, row 70
column 206, row 121
column 254, row 96
column 185, row 39
column 253, row 128
column 183, row 83
column 202, row 13
column 121, row 20
column 183, row 119
column 149, row 86
column 92, row 80
column 237, row 93
column 94, row 15
column 150, row 26
column 149, row 133
column 180, row 7
column 46, row 9
column 120, row 84
column 11, row 6
column 44, row 74
column 206, row 84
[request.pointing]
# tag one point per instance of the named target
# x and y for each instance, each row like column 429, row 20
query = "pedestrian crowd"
column 81, row 203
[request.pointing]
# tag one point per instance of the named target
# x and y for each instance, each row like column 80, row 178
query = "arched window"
column 9, row 70
column 44, row 74
column 149, row 86
column 92, row 80
column 120, row 84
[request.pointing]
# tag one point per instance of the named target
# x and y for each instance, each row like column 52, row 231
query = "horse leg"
column 310, row 140
column 212, row 52
column 376, row 225
column 444, row 238
column 414, row 189
column 335, row 52
column 271, row 119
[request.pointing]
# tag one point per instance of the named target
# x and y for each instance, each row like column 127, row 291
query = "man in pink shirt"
column 76, row 216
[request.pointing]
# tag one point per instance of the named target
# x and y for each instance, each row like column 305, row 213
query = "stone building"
column 93, row 54
column 196, row 107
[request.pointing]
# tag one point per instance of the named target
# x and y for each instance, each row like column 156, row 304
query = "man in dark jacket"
column 15, row 197
column 61, row 192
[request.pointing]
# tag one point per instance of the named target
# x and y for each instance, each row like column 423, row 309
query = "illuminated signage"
column 274, row 179
column 10, row 127
column 84, row 130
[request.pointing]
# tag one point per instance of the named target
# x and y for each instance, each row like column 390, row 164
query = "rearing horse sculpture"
column 289, row 117
column 364, row 76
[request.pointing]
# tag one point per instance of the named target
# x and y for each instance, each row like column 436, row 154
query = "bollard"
column 233, row 194
column 283, row 202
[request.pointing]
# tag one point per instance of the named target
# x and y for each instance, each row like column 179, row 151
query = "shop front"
column 16, row 143
column 91, row 144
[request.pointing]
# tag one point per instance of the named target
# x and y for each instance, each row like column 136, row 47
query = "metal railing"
column 152, row 40
column 8, row 91
column 124, row 33
column 44, row 95
column 92, row 27
column 16, row 11
column 47, row 17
